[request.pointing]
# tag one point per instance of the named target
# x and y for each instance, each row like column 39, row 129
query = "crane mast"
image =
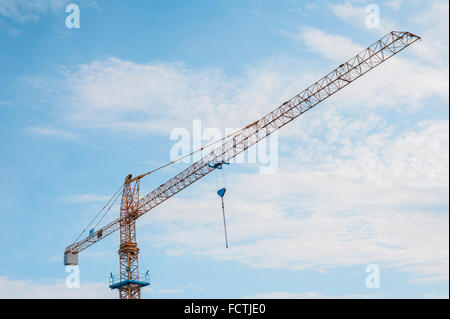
column 128, row 251
column 132, row 207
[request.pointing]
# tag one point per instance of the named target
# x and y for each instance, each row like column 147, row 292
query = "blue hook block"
column 221, row 192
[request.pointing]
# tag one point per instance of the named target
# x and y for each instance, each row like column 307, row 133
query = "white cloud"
column 51, row 132
column 53, row 289
column 169, row 291
column 398, row 83
column 356, row 15
column 25, row 10
column 386, row 204
column 56, row 289
column 394, row 4
column 306, row 295
column 433, row 23
column 157, row 97
column 287, row 295
column 333, row 47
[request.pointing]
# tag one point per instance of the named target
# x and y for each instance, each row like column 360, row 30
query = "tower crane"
column 133, row 206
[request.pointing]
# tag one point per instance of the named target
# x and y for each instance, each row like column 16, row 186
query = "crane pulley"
column 132, row 206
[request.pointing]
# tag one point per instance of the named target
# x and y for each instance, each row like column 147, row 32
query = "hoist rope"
column 115, row 194
column 110, row 206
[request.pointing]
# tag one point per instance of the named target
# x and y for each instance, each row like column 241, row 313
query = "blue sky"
column 362, row 179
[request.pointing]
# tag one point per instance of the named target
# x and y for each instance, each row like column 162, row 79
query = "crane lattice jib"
column 337, row 79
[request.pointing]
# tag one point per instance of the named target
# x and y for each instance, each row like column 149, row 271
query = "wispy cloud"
column 56, row 289
column 356, row 14
column 52, row 288
column 86, row 198
column 287, row 295
column 157, row 97
column 24, row 10
column 306, row 295
column 122, row 95
column 144, row 98
column 434, row 21
column 393, row 4
column 404, row 82
column 51, row 132
column 330, row 46
column 387, row 203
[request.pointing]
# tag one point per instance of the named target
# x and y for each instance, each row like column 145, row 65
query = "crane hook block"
column 221, row 192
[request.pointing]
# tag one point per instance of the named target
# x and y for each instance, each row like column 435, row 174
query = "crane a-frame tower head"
column 132, row 207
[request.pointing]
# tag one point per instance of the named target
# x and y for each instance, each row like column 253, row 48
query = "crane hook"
column 221, row 193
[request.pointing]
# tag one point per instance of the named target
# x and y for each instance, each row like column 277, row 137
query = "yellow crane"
column 133, row 206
